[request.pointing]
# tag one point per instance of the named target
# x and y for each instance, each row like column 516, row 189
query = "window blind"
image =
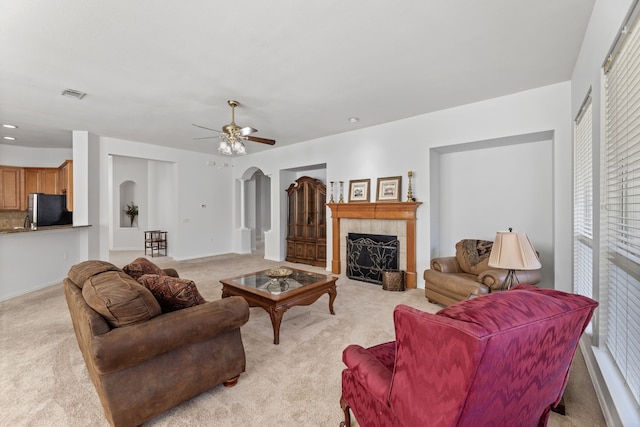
column 621, row 196
column 583, row 203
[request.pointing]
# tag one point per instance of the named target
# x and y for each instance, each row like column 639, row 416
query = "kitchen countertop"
column 50, row 227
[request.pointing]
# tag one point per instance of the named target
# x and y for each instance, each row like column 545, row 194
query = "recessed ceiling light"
column 10, row 138
column 354, row 119
column 10, row 126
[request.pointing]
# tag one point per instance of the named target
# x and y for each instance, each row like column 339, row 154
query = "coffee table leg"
column 276, row 318
column 332, row 297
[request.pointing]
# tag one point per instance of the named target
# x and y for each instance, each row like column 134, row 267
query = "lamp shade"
column 512, row 250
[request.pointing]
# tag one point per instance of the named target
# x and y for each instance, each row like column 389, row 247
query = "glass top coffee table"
column 277, row 290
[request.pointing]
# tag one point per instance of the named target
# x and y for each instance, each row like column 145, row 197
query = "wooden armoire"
column 307, row 222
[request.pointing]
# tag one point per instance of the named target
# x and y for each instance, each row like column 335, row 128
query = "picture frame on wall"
column 359, row 190
column 389, row 189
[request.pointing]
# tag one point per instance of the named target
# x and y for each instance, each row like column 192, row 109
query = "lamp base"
column 510, row 280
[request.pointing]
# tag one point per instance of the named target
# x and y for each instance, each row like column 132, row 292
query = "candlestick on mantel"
column 331, row 198
column 409, row 190
column 341, row 193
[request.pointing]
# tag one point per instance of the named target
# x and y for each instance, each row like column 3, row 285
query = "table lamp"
column 513, row 251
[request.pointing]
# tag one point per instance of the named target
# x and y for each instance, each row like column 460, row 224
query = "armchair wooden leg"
column 230, row 383
column 347, row 416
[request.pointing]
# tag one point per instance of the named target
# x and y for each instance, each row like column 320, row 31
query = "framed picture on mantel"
column 389, row 189
column 359, row 190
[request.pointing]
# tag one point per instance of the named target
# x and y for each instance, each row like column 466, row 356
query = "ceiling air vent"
column 72, row 93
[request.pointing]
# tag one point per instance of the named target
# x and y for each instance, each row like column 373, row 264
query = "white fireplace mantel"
column 386, row 210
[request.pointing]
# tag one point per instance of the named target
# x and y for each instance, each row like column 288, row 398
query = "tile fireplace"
column 393, row 218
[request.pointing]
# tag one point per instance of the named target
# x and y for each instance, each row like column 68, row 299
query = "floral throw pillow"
column 172, row 293
column 141, row 266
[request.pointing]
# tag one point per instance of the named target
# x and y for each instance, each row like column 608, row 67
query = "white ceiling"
column 300, row 69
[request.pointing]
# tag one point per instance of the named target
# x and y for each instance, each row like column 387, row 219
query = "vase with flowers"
column 131, row 212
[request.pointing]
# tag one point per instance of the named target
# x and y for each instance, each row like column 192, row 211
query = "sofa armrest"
column 129, row 345
column 368, row 371
column 494, row 278
column 462, row 285
column 447, row 264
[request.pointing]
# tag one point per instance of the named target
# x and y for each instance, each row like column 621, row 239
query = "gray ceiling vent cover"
column 72, row 93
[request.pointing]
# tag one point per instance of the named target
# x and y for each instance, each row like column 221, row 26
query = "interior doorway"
column 257, row 202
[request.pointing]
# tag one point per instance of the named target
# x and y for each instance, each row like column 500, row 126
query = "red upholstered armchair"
column 498, row 360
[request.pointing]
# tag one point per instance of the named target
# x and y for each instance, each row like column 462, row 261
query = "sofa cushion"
column 120, row 299
column 173, row 293
column 79, row 273
column 473, row 255
column 141, row 266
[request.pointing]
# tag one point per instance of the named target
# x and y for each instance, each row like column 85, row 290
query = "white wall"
column 481, row 193
column 136, row 171
column 33, row 157
column 87, row 200
column 263, row 204
column 200, row 201
column 192, row 194
column 34, row 260
column 395, row 148
column 162, row 184
column 193, row 202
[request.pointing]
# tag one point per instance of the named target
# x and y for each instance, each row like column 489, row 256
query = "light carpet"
column 44, row 381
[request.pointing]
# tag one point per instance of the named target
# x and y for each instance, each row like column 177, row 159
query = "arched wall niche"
column 127, row 197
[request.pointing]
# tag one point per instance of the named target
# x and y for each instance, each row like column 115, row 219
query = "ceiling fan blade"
column 247, row 130
column 202, row 127
column 261, row 140
column 206, row 137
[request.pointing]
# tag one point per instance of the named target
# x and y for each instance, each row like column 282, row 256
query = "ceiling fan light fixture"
column 231, row 145
column 224, row 147
column 239, row 148
column 233, row 136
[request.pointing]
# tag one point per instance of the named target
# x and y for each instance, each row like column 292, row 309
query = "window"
column 620, row 256
column 583, row 203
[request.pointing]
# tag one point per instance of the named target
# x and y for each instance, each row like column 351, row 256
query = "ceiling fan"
column 232, row 136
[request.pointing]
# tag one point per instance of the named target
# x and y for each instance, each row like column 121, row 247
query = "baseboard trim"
column 28, row 291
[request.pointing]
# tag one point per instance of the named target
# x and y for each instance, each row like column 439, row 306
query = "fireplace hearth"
column 368, row 255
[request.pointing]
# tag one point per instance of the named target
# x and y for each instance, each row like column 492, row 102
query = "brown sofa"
column 141, row 360
column 457, row 278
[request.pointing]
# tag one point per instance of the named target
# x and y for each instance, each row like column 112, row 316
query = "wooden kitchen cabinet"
column 306, row 222
column 40, row 180
column 65, row 182
column 10, row 188
column 16, row 183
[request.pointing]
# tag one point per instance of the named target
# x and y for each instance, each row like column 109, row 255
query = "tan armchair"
column 457, row 278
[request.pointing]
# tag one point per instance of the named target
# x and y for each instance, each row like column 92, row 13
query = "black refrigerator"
column 48, row 209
